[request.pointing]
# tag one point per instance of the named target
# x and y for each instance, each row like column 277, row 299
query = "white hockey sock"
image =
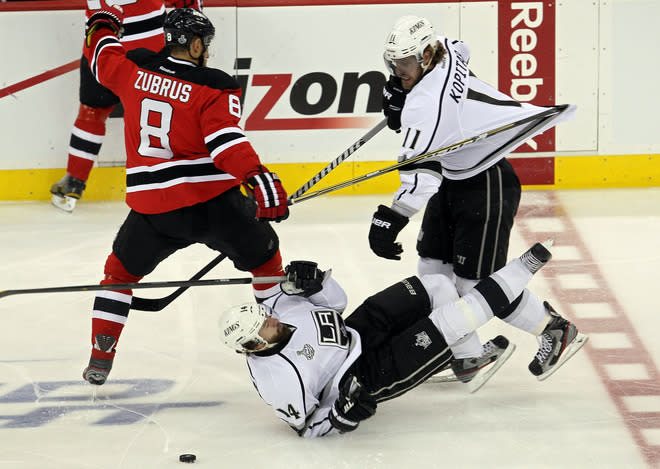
column 461, row 317
column 512, row 278
column 472, row 310
column 468, row 347
column 428, row 266
column 530, row 315
column 448, row 317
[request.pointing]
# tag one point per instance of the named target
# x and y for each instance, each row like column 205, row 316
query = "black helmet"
column 182, row 25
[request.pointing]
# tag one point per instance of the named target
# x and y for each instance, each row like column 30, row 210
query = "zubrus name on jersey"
column 163, row 86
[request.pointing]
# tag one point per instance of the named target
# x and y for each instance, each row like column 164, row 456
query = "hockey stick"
column 333, row 164
column 544, row 116
column 158, row 304
column 133, row 286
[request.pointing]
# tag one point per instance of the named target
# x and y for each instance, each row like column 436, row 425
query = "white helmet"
column 410, row 36
column 239, row 326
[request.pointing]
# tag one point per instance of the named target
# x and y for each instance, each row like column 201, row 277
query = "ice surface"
column 174, row 388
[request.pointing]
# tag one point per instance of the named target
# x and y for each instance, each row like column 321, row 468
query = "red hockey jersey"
column 143, row 22
column 183, row 142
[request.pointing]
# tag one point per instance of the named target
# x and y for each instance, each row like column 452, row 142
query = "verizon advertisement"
column 312, row 76
column 527, row 59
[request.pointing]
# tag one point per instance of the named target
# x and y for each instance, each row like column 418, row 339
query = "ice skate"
column 477, row 371
column 98, row 369
column 537, row 256
column 559, row 341
column 66, row 193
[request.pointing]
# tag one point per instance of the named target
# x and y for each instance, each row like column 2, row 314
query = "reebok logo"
column 381, row 223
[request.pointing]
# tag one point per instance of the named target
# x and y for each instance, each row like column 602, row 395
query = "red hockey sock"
column 86, row 140
column 111, row 309
column 272, row 268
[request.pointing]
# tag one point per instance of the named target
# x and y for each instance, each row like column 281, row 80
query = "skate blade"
column 444, row 376
column 573, row 347
column 64, row 203
column 483, row 376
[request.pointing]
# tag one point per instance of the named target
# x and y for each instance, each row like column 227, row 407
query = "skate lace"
column 488, row 347
column 545, row 347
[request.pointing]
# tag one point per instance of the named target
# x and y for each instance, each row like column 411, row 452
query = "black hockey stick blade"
column 135, row 286
column 541, row 118
column 334, row 163
column 158, row 304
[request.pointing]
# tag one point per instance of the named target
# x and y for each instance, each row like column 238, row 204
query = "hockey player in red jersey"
column 186, row 159
column 143, row 27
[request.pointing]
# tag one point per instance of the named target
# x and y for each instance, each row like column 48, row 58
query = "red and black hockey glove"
column 394, row 97
column 353, row 405
column 109, row 17
column 269, row 194
column 385, row 227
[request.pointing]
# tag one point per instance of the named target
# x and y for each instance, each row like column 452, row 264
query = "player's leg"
column 389, row 312
column 140, row 245
column 252, row 245
column 482, row 209
column 401, row 347
column 457, row 319
column 558, row 338
column 96, row 103
column 435, row 246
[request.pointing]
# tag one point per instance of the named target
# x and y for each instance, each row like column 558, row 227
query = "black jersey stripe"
column 496, row 154
column 300, row 381
column 223, row 139
column 484, row 98
column 144, row 26
column 176, row 171
column 106, row 41
column 431, row 165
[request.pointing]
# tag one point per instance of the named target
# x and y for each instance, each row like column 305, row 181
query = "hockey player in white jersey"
column 323, row 375
column 471, row 194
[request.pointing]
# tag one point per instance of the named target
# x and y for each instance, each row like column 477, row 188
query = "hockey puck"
column 187, row 458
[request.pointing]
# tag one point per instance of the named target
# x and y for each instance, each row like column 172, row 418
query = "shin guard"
column 272, row 268
column 86, row 140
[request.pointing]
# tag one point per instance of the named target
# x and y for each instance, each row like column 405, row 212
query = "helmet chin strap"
column 200, row 59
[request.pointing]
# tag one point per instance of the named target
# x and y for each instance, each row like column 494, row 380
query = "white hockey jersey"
column 449, row 105
column 301, row 380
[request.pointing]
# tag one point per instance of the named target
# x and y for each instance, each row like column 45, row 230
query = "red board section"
column 616, row 322
column 534, row 171
column 526, row 42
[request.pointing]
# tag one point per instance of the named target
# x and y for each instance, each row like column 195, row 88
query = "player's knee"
column 94, row 114
column 440, row 288
column 115, row 272
column 464, row 285
column 428, row 265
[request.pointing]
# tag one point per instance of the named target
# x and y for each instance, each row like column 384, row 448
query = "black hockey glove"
column 394, row 97
column 353, row 405
column 385, row 227
column 303, row 278
column 109, row 17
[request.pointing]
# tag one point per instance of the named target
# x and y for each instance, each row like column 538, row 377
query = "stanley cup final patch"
column 307, row 352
